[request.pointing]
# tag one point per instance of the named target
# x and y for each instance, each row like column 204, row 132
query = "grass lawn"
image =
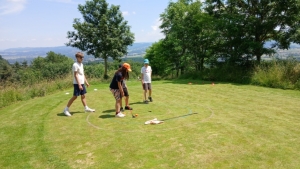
column 205, row 126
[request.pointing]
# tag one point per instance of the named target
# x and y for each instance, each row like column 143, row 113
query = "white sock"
column 86, row 107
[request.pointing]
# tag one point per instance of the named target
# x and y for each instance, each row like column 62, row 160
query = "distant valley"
column 137, row 50
column 13, row 55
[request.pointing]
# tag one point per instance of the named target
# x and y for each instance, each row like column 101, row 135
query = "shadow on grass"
column 106, row 116
column 136, row 103
column 200, row 82
column 108, row 111
column 72, row 113
column 190, row 82
column 179, row 116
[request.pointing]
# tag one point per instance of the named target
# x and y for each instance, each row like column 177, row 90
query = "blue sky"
column 45, row 23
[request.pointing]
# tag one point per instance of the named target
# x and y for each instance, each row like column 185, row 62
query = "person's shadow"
column 72, row 113
column 136, row 103
column 106, row 116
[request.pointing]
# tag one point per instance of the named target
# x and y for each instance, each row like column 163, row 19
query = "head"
column 79, row 56
column 146, row 62
column 124, row 69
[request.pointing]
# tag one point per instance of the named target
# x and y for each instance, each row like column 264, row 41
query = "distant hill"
column 29, row 53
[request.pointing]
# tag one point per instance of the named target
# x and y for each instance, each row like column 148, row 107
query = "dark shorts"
column 77, row 91
column 147, row 86
column 126, row 94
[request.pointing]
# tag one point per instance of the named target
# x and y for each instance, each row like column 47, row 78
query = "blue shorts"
column 77, row 91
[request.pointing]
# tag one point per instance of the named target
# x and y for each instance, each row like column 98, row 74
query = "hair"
column 124, row 72
column 79, row 54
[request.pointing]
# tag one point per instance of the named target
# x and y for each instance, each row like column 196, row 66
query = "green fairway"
column 205, row 126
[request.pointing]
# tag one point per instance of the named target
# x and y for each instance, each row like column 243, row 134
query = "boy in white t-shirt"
column 146, row 80
column 78, row 83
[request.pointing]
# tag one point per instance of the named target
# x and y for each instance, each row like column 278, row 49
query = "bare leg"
column 83, row 100
column 126, row 101
column 118, row 105
column 71, row 101
column 150, row 92
column 145, row 94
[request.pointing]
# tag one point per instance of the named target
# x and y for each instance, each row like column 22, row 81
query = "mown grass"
column 206, row 126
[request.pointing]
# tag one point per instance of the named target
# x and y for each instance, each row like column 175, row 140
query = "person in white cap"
column 146, row 81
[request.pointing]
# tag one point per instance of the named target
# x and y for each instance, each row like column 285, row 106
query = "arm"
column 142, row 78
column 121, row 88
column 86, row 82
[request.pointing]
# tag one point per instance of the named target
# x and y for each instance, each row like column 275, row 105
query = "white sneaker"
column 89, row 110
column 66, row 112
column 120, row 115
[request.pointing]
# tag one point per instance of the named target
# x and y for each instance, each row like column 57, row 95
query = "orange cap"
column 127, row 66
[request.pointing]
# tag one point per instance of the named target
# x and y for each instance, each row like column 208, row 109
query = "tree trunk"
column 258, row 57
column 105, row 69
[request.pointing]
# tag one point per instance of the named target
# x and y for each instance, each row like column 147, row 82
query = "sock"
column 86, row 107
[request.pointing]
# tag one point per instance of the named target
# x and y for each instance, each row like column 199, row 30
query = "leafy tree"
column 52, row 66
column 189, row 34
column 174, row 28
column 245, row 25
column 160, row 62
column 103, row 33
column 5, row 69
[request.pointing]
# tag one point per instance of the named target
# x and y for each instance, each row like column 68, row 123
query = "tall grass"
column 17, row 92
column 284, row 74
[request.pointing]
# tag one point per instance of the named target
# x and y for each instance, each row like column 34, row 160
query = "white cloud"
column 125, row 13
column 156, row 25
column 63, row 1
column 11, row 6
column 150, row 36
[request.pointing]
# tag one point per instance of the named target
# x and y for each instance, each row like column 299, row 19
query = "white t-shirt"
column 146, row 74
column 78, row 67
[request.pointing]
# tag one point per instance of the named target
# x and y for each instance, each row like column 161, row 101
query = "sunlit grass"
column 206, row 126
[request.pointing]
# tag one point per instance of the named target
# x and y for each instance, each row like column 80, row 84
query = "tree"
column 5, row 69
column 189, row 35
column 103, row 33
column 160, row 62
column 247, row 24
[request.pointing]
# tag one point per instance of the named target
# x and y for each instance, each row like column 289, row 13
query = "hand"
column 87, row 84
column 80, row 87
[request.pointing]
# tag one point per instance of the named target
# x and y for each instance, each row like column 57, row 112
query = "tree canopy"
column 245, row 25
column 236, row 30
column 103, row 31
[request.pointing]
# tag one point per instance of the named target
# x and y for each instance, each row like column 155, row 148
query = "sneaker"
column 146, row 101
column 89, row 110
column 120, row 115
column 128, row 108
column 150, row 98
column 122, row 110
column 66, row 112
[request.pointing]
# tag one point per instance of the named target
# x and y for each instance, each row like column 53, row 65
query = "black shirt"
column 117, row 78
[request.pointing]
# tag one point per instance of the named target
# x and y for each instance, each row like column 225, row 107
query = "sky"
column 45, row 23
